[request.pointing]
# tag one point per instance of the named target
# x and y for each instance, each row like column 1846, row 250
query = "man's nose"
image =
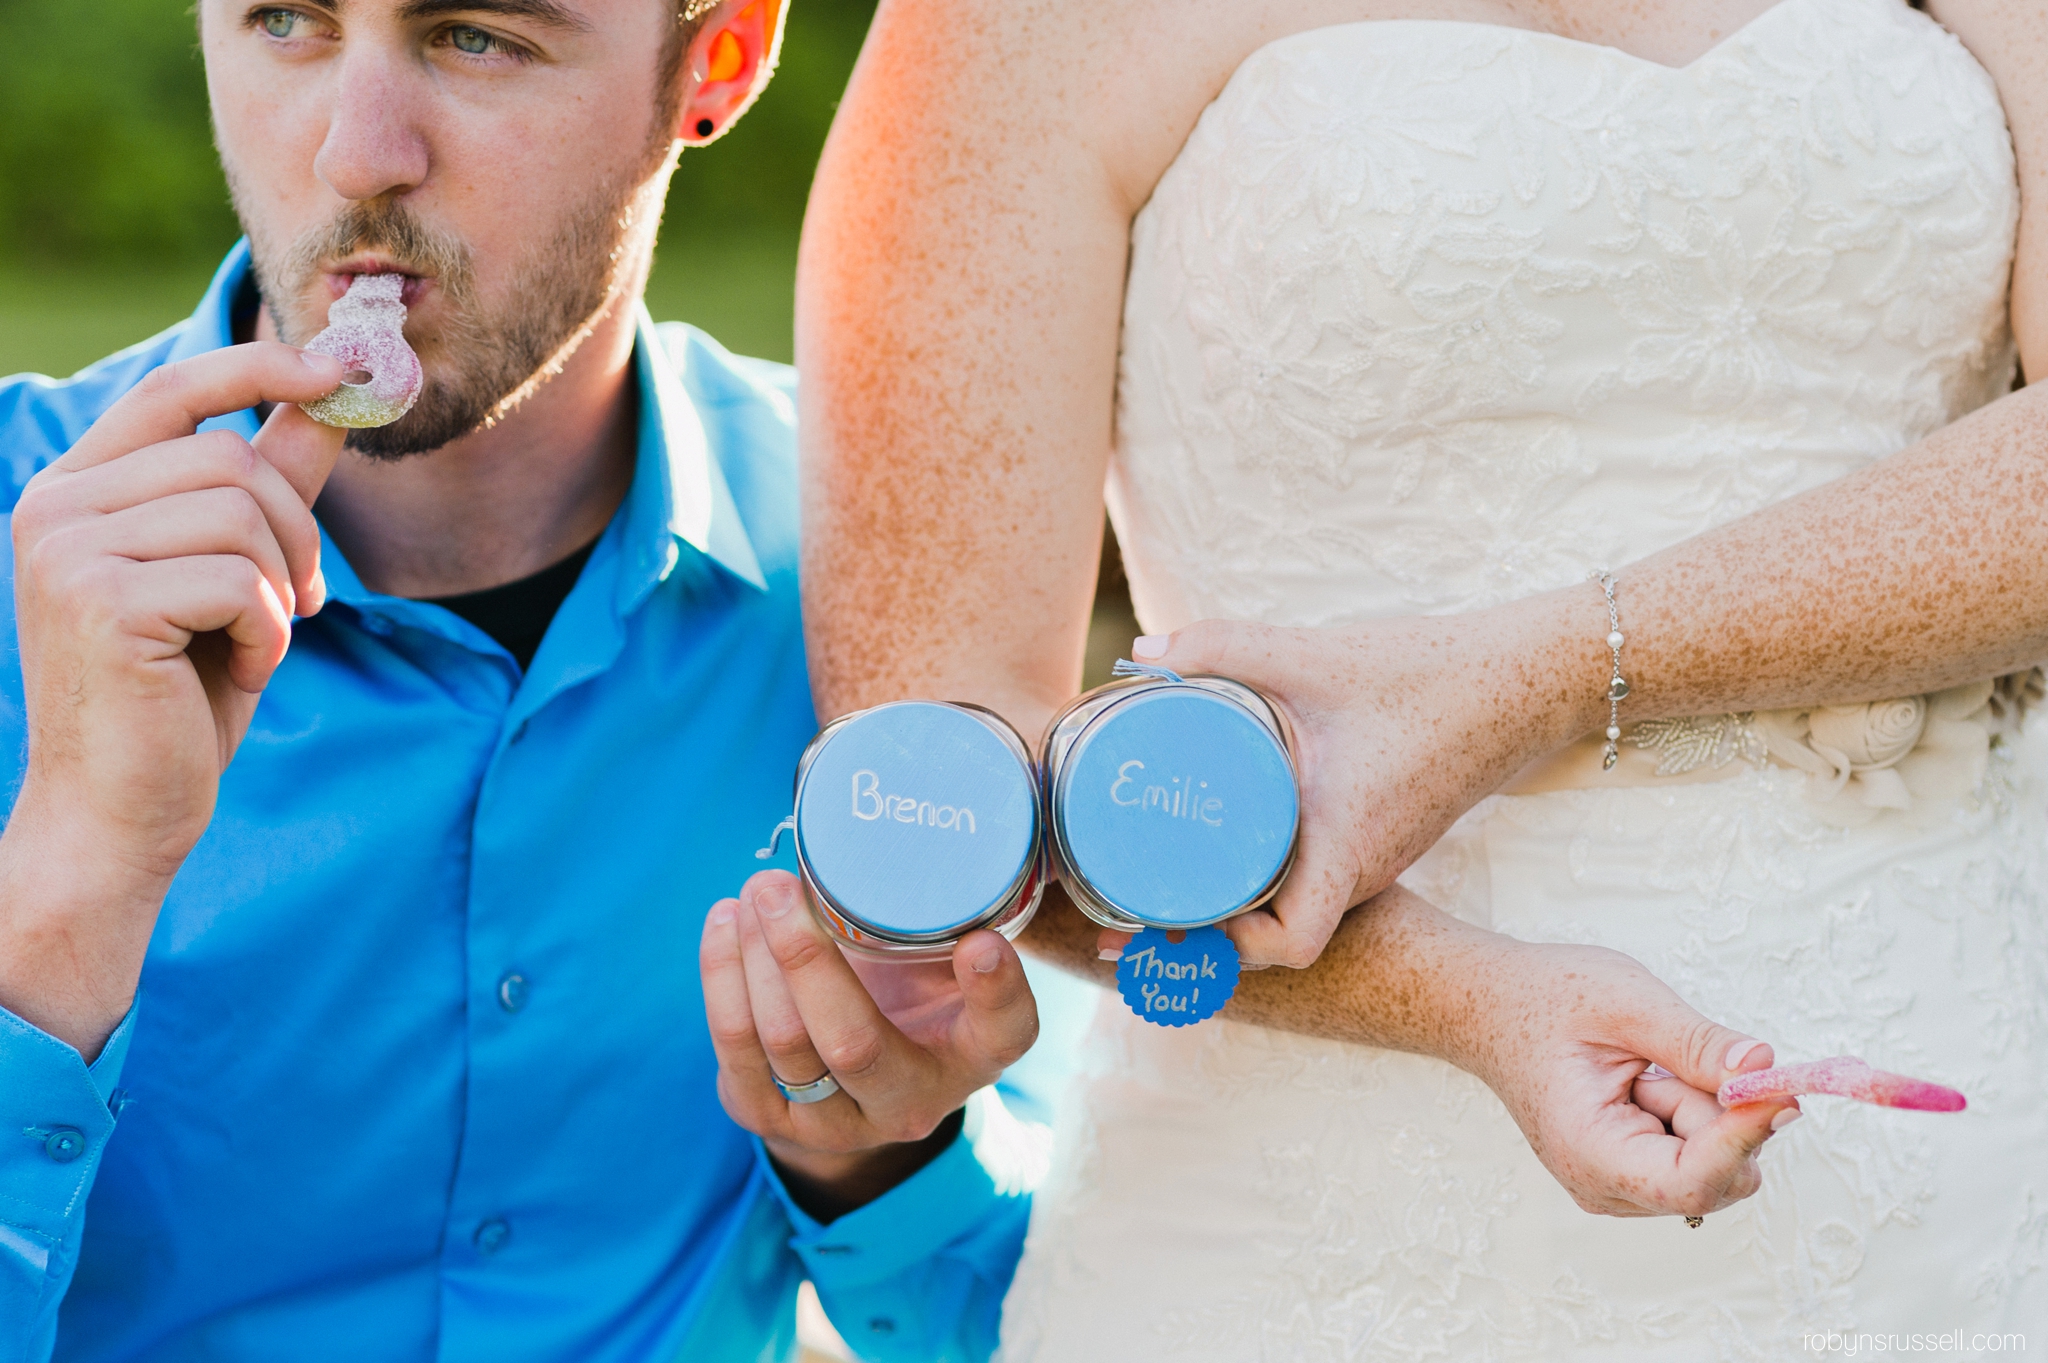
column 375, row 144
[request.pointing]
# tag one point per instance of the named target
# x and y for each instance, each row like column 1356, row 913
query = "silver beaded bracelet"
column 1617, row 685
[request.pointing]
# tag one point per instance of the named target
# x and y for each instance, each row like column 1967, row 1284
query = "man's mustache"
column 395, row 231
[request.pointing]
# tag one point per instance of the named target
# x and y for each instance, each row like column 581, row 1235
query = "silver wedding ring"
column 817, row 1091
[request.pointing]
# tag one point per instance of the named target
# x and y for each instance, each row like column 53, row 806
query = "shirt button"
column 512, row 992
column 64, row 1144
column 492, row 1236
column 882, row 1325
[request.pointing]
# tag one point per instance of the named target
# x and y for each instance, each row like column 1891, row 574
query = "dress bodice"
column 1427, row 316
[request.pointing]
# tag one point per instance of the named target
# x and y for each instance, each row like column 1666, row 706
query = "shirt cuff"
column 990, row 1168
column 56, row 1113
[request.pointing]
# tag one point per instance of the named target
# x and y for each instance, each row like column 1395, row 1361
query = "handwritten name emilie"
column 870, row 804
column 1147, row 967
column 1180, row 798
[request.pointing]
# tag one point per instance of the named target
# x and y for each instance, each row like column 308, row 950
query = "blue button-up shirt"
column 419, row 1066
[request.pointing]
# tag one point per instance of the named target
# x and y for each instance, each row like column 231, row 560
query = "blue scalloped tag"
column 1177, row 983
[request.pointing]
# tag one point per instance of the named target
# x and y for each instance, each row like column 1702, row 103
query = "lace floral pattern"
column 1428, row 316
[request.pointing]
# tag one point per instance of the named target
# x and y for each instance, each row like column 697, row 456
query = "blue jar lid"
column 1177, row 806
column 917, row 819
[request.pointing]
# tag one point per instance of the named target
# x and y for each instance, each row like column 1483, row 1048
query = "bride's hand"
column 1569, row 1036
column 1400, row 726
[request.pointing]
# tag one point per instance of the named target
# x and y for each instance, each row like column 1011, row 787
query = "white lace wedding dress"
column 1428, row 316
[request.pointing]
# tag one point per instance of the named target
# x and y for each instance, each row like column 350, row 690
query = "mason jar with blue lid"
column 917, row 823
column 1171, row 801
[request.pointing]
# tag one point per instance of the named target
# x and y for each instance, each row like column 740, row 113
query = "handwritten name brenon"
column 870, row 804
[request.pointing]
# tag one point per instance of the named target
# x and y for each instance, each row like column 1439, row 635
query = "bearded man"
column 417, row 1066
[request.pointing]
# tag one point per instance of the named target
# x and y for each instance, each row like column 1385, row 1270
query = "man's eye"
column 278, row 23
column 474, row 41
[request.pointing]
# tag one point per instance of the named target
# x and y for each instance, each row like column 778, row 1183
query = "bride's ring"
column 817, row 1091
column 1694, row 1221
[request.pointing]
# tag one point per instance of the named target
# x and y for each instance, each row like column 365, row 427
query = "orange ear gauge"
column 727, row 57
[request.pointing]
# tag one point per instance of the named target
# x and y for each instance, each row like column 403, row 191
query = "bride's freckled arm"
column 959, row 294
column 956, row 328
column 1927, row 570
column 1399, row 973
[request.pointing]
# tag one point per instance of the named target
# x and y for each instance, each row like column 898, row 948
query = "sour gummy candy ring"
column 366, row 331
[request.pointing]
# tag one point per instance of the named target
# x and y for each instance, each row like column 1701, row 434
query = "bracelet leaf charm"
column 1617, row 685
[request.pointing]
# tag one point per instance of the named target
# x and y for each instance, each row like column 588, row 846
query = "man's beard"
column 481, row 362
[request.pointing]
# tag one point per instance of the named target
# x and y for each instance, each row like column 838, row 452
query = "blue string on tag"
column 1177, row 983
column 1126, row 668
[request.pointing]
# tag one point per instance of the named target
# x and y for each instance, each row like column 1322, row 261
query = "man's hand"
column 907, row 1043
column 156, row 575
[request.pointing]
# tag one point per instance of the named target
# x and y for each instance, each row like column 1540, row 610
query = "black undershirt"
column 517, row 614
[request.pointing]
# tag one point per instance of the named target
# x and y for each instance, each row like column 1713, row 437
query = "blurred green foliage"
column 112, row 203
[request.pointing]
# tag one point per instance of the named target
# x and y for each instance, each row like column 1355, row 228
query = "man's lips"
column 339, row 277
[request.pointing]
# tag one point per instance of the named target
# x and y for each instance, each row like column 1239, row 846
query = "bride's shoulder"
column 1125, row 80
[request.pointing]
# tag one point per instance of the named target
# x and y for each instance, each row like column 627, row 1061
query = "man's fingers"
column 221, row 520
column 173, row 399
column 177, row 598
column 891, row 1080
column 780, row 1023
column 744, row 1087
column 301, row 449
column 1000, row 1020
column 213, row 459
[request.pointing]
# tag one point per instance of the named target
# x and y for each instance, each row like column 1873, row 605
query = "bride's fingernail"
column 1150, row 645
column 1738, row 1053
column 775, row 903
column 987, row 961
column 1110, row 954
column 1786, row 1118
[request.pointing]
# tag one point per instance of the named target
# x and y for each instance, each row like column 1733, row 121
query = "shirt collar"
column 688, row 495
column 679, row 492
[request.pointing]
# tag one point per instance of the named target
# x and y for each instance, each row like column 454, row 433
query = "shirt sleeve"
column 56, row 1113
column 918, row 1275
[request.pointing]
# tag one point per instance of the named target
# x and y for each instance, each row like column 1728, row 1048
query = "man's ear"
column 728, row 64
